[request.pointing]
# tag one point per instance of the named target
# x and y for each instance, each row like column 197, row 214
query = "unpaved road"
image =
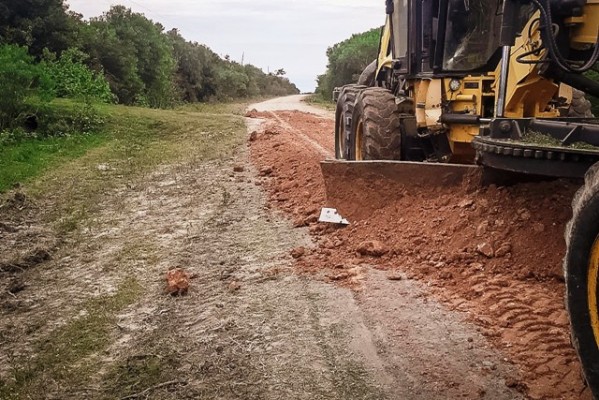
column 254, row 325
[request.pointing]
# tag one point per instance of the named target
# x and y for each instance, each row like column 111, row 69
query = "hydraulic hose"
column 552, row 47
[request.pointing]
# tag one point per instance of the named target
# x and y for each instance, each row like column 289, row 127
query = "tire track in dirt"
column 434, row 235
column 307, row 138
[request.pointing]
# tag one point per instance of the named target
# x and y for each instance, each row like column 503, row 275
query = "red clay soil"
column 492, row 252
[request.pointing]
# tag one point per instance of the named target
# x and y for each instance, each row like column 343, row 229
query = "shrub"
column 72, row 78
column 18, row 75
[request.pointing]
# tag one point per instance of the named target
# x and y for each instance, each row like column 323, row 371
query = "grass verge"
column 318, row 101
column 73, row 173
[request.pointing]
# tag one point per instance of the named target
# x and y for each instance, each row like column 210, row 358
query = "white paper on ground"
column 332, row 216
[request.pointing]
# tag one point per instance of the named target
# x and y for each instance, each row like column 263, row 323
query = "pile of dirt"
column 493, row 251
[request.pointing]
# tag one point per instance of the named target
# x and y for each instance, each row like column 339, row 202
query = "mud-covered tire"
column 580, row 107
column 343, row 113
column 367, row 77
column 376, row 126
column 580, row 268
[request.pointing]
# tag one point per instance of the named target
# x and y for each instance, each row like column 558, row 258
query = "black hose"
column 553, row 49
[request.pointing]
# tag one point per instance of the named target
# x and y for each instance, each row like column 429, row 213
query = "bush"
column 72, row 78
column 18, row 76
column 77, row 118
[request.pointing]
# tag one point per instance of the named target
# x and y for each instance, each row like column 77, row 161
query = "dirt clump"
column 177, row 282
column 372, row 248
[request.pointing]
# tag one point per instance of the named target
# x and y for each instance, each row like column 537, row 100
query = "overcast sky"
column 289, row 34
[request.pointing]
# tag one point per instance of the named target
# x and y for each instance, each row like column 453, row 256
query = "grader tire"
column 343, row 114
column 581, row 266
column 376, row 126
column 580, row 107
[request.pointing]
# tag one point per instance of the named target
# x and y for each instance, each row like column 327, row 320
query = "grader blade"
column 358, row 187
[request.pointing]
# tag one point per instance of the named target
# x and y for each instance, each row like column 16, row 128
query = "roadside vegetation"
column 346, row 61
column 59, row 73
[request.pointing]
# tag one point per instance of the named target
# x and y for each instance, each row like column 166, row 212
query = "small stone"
column 466, row 203
column 538, row 227
column 299, row 222
column 372, row 248
column 486, row 250
column 339, row 277
column 310, row 220
column 394, row 276
column 478, row 266
column 482, row 229
column 103, row 167
column 298, row 252
column 234, row 286
column 524, row 214
column 265, row 171
column 446, row 275
column 503, row 250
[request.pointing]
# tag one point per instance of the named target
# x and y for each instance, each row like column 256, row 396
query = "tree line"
column 347, row 60
column 134, row 57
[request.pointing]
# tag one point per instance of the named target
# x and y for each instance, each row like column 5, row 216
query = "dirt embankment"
column 492, row 252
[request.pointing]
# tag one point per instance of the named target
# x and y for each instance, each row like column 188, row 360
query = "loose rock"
column 177, row 282
column 298, row 252
column 503, row 250
column 486, row 250
column 372, row 248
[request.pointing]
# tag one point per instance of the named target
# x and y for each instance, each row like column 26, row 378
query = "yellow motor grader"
column 498, row 83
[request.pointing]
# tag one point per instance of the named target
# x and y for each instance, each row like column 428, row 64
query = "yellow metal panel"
column 433, row 104
column 385, row 58
column 528, row 93
column 463, row 133
column 586, row 27
column 420, row 93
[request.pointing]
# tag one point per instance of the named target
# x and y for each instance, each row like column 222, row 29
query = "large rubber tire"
column 343, row 114
column 581, row 266
column 376, row 126
column 367, row 77
column 580, row 107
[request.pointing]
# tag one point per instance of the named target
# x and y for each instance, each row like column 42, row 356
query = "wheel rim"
column 359, row 138
column 593, row 274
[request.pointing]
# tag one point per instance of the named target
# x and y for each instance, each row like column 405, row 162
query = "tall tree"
column 38, row 24
column 136, row 55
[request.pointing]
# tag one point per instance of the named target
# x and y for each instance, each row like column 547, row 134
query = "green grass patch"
column 318, row 101
column 64, row 355
column 27, row 159
column 73, row 173
column 133, row 135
